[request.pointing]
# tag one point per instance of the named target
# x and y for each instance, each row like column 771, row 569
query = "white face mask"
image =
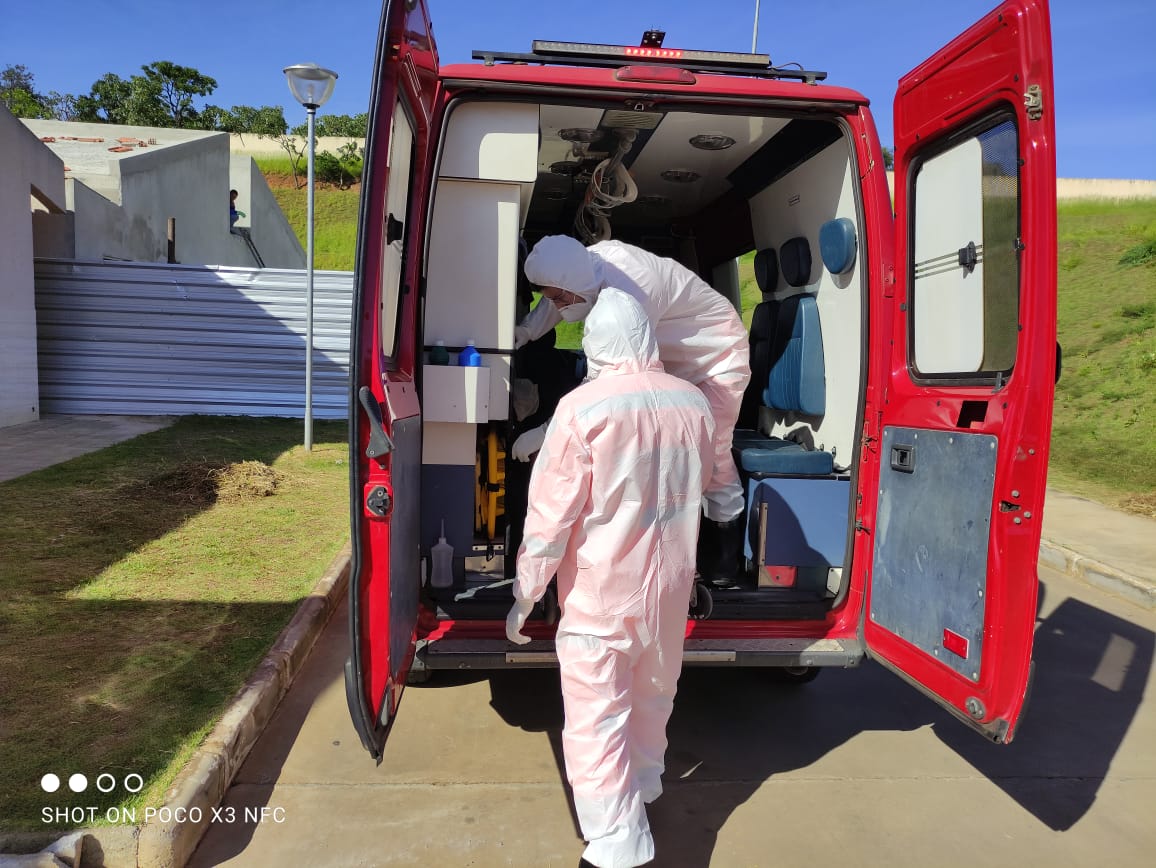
column 576, row 312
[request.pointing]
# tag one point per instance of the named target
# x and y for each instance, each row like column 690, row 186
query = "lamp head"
column 310, row 84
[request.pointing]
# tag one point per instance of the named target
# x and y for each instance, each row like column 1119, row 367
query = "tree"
column 268, row 120
column 162, row 97
column 175, row 86
column 888, row 159
column 18, row 93
column 340, row 126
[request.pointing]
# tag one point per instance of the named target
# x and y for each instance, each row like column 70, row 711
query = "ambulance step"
column 539, row 653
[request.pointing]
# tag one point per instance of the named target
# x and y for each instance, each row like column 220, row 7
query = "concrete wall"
column 123, row 201
column 256, row 146
column 274, row 238
column 1087, row 188
column 32, row 178
column 1104, row 188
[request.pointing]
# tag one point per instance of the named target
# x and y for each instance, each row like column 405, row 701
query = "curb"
column 205, row 779
column 1097, row 574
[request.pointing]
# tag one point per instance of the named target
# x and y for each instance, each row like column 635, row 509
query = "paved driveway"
column 855, row 769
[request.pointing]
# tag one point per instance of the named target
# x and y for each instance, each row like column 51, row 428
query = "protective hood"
column 619, row 335
column 562, row 261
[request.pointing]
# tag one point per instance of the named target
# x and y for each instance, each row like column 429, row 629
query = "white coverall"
column 700, row 335
column 614, row 510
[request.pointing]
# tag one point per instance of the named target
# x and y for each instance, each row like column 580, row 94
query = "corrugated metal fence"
column 143, row 338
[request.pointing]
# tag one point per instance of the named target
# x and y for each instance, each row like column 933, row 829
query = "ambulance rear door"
column 968, row 372
column 385, row 412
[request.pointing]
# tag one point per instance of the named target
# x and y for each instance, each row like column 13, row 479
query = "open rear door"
column 969, row 374
column 385, row 429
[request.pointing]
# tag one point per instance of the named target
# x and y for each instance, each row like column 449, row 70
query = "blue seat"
column 787, row 367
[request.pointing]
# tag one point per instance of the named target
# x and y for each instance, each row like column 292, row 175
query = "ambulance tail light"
column 656, row 74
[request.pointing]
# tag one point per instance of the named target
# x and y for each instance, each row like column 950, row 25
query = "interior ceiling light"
column 712, row 142
column 578, row 134
column 565, row 167
column 680, row 176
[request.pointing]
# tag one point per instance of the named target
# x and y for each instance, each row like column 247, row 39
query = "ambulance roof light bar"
column 650, row 51
column 546, row 48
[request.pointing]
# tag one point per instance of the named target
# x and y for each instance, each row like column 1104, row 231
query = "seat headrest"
column 837, row 245
column 767, row 269
column 795, row 261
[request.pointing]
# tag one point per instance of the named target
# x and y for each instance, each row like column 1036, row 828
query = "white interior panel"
column 396, row 201
column 493, row 141
column 500, row 368
column 449, row 443
column 822, row 189
column 455, row 394
column 473, row 261
column 948, row 300
column 669, row 148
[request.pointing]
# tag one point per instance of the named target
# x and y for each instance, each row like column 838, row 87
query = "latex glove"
column 528, row 443
column 521, row 337
column 516, row 620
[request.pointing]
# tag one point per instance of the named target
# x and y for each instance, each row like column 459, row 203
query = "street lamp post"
column 311, row 86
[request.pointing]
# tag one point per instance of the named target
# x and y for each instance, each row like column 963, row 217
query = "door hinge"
column 1034, row 102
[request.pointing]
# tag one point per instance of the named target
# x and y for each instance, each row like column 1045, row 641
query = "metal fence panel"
column 153, row 339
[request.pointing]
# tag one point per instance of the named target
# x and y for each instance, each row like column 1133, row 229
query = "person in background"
column 615, row 503
column 234, row 214
column 700, row 339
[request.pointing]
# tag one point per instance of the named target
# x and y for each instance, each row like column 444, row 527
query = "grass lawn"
column 1104, row 435
column 335, row 213
column 141, row 585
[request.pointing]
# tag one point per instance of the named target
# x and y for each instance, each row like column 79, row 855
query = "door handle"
column 393, row 229
column 379, row 442
column 903, row 459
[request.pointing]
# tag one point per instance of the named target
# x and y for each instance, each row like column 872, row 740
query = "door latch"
column 969, row 257
column 378, row 502
column 1034, row 102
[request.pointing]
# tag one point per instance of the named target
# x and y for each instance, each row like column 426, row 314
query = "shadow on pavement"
column 732, row 730
column 1091, row 669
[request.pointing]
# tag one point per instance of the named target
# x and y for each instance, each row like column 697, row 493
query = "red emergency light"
column 546, row 48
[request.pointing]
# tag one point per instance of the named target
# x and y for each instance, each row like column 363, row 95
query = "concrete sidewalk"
column 53, row 439
column 1107, row 548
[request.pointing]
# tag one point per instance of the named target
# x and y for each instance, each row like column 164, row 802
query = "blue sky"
column 1105, row 62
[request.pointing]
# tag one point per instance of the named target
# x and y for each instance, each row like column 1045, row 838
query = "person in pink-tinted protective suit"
column 700, row 337
column 615, row 503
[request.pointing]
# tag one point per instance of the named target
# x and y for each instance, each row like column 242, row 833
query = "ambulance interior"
column 710, row 188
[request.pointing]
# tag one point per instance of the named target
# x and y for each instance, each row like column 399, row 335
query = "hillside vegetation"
column 1104, row 435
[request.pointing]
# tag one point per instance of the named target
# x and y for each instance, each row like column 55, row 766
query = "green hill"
column 1104, row 440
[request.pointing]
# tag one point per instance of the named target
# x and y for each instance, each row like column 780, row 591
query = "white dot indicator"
column 78, row 783
column 50, row 783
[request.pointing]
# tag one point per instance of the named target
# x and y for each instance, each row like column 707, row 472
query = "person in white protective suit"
column 615, row 502
column 701, row 339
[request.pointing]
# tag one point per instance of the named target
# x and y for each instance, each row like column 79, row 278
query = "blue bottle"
column 470, row 357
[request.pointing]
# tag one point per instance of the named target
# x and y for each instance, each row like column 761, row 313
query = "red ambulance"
column 894, row 443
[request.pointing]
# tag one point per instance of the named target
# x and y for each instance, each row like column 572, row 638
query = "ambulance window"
column 965, row 269
column 399, row 168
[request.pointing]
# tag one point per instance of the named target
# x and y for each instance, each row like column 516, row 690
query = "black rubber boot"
column 728, row 552
column 707, row 553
